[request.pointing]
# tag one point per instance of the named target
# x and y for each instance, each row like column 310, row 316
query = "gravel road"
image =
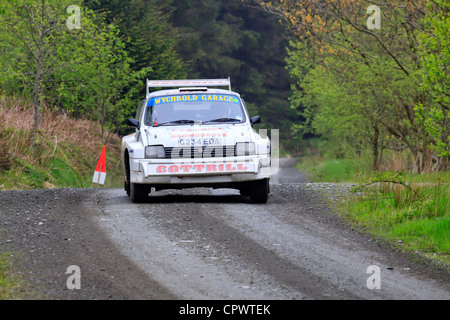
column 203, row 244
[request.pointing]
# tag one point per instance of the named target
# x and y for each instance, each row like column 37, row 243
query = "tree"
column 39, row 28
column 434, row 55
column 382, row 65
column 99, row 81
column 148, row 36
column 84, row 71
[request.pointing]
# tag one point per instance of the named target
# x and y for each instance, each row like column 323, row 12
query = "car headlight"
column 154, row 152
column 245, row 148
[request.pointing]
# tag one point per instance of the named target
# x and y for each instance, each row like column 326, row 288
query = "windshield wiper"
column 168, row 123
column 222, row 120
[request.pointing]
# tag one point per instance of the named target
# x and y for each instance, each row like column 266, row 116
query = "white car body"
column 198, row 154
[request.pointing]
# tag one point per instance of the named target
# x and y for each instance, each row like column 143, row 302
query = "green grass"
column 433, row 177
column 416, row 216
column 333, row 170
column 13, row 285
column 8, row 282
column 412, row 211
column 325, row 169
column 427, row 235
column 68, row 166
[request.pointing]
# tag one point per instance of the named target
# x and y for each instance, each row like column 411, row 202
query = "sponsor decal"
column 198, row 133
column 199, row 168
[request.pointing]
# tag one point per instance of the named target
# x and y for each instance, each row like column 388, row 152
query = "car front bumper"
column 199, row 171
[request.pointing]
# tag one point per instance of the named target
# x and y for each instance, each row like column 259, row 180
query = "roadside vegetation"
column 371, row 83
column 64, row 153
column 374, row 93
column 409, row 210
column 5, row 282
column 8, row 283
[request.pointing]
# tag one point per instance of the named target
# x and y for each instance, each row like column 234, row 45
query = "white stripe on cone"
column 99, row 179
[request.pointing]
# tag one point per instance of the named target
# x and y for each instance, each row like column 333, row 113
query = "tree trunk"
column 103, row 123
column 376, row 135
column 37, row 99
column 427, row 159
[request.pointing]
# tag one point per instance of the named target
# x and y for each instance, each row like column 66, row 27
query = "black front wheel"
column 138, row 192
column 259, row 192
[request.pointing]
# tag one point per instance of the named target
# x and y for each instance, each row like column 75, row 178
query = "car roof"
column 193, row 91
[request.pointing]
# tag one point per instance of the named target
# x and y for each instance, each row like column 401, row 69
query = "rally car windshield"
column 190, row 109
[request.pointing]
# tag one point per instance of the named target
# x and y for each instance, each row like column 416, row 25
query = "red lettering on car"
column 241, row 167
column 185, row 167
column 161, row 169
column 199, row 167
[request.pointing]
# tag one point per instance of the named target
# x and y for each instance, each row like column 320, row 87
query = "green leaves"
column 361, row 88
column 434, row 54
column 95, row 82
column 96, row 71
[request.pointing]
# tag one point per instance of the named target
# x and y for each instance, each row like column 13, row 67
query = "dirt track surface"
column 202, row 244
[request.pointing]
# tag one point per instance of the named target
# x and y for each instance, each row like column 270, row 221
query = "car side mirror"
column 254, row 120
column 133, row 123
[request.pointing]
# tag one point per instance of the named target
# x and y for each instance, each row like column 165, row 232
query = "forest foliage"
column 98, row 70
column 320, row 68
column 372, row 77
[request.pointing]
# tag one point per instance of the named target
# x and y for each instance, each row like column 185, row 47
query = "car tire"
column 259, row 192
column 126, row 186
column 127, row 174
column 138, row 192
column 245, row 191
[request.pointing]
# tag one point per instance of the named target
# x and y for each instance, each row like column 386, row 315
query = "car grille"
column 200, row 152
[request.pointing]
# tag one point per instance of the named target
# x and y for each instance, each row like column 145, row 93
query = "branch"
column 18, row 35
column 364, row 30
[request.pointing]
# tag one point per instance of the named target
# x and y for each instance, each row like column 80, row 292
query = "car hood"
column 200, row 135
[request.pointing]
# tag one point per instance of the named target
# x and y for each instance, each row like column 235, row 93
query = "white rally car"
column 195, row 136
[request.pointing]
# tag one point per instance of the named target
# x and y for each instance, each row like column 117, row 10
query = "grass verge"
column 321, row 169
column 62, row 154
column 411, row 211
column 10, row 284
column 412, row 215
